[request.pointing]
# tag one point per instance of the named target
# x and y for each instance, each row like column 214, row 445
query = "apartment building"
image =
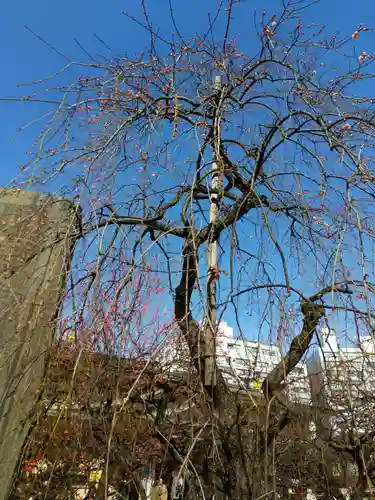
column 342, row 380
column 243, row 363
column 248, row 362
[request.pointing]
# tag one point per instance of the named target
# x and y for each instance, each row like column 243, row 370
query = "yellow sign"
column 95, row 476
column 255, row 384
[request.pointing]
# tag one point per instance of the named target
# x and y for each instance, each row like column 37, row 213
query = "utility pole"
column 213, row 272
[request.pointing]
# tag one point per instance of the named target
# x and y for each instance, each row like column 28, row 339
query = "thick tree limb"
column 312, row 314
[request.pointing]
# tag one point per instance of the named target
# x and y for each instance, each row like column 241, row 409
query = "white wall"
column 241, row 362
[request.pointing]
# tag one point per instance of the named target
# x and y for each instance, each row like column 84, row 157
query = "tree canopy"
column 200, row 144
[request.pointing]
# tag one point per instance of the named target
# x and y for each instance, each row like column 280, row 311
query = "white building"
column 243, row 363
column 248, row 362
column 342, row 380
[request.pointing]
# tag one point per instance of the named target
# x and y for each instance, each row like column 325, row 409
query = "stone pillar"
column 37, row 234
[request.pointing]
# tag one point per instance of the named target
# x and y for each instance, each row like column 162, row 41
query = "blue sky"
column 24, row 58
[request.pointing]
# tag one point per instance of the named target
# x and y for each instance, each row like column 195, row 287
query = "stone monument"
column 37, row 236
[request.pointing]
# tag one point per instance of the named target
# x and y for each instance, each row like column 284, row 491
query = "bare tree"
column 289, row 141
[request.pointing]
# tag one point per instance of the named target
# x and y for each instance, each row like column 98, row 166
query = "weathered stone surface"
column 37, row 234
